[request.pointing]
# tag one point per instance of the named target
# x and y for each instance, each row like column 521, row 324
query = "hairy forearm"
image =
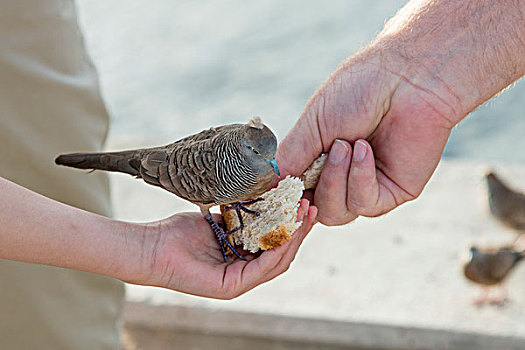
column 465, row 51
column 36, row 229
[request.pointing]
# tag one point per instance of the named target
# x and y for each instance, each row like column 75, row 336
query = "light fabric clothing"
column 50, row 103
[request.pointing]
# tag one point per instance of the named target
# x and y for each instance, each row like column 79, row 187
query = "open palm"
column 186, row 257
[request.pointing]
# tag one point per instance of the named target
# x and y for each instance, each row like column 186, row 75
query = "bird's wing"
column 208, row 134
column 185, row 169
column 506, row 204
column 501, row 264
column 516, row 215
column 476, row 271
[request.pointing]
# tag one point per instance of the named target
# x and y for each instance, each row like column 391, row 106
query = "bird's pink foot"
column 482, row 298
column 498, row 301
column 500, row 298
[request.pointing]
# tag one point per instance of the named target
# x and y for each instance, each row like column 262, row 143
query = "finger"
column 300, row 146
column 290, row 251
column 308, row 220
column 312, row 217
column 302, row 210
column 274, row 262
column 271, row 259
column 290, row 248
column 330, row 194
column 246, row 254
column 363, row 187
column 275, row 255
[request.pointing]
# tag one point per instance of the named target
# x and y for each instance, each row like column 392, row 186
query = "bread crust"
column 311, row 175
column 274, row 239
column 271, row 240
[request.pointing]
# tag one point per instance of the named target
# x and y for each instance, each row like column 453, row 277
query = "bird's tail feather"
column 125, row 161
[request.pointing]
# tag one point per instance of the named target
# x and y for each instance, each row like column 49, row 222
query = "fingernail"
column 359, row 151
column 338, row 152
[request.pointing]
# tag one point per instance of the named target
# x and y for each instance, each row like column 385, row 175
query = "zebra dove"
column 230, row 164
column 506, row 204
column 489, row 267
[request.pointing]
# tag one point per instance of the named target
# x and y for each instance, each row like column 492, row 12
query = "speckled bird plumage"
column 228, row 164
column 215, row 166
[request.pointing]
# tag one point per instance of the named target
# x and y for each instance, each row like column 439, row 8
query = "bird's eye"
column 255, row 151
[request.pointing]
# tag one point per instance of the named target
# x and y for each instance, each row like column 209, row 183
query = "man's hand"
column 397, row 136
column 385, row 115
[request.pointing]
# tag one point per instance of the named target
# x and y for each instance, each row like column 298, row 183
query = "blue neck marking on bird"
column 274, row 165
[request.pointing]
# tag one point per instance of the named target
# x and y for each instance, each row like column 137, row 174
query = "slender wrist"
column 36, row 229
column 138, row 264
column 125, row 254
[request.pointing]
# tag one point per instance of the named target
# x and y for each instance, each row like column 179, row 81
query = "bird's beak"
column 275, row 167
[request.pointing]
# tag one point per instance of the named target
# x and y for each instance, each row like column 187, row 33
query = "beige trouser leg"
column 50, row 103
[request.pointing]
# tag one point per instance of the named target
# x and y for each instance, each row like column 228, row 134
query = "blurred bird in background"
column 506, row 204
column 231, row 164
column 489, row 267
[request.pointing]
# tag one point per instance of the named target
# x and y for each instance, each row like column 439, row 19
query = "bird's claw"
column 221, row 237
column 238, row 206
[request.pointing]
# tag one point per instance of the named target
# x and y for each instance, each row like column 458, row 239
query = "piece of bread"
column 278, row 212
column 311, row 176
column 276, row 222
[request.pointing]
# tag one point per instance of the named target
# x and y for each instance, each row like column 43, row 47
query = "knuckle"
column 357, row 208
column 285, row 268
column 229, row 295
column 285, row 265
column 333, row 220
column 361, row 205
column 328, row 221
column 364, row 210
